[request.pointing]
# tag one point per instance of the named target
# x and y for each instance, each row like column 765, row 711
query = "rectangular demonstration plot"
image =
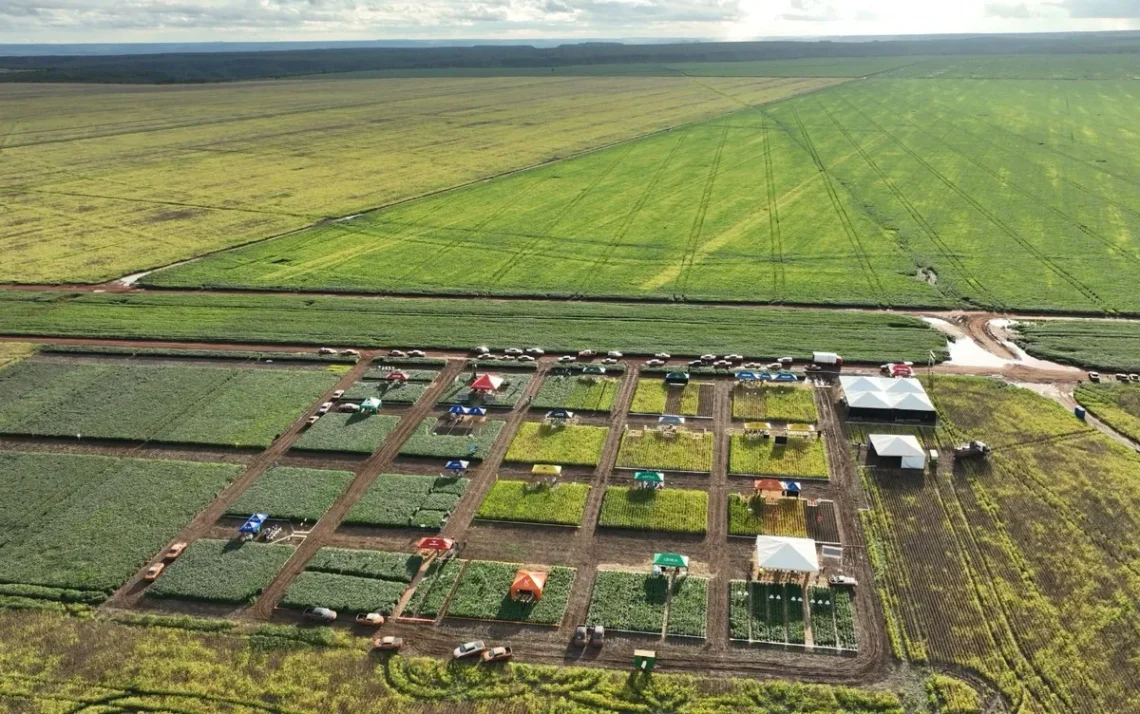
column 556, row 443
column 666, row 509
column 512, row 592
column 452, row 439
column 291, row 493
column 799, row 457
column 222, row 571
column 398, row 501
column 524, row 502
column 353, row 581
column 776, row 403
column 666, row 448
column 354, row 433
column 577, row 392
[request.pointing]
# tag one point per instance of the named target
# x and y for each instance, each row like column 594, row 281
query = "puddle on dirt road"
column 964, row 350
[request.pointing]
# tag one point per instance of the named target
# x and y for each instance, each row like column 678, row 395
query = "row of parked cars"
column 1120, row 377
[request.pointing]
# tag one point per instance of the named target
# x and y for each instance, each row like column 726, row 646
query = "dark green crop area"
column 1096, row 344
column 446, row 323
column 228, row 406
column 89, row 522
column 1004, row 193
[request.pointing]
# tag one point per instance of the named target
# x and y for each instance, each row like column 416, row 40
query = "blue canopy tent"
column 792, row 488
column 476, row 411
column 671, row 419
column 253, row 524
column 458, row 410
column 456, row 465
column 747, row 376
column 560, row 414
column 784, row 377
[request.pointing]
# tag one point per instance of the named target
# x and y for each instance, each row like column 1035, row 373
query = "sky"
column 43, row 21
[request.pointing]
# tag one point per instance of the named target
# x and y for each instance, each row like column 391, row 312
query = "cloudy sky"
column 249, row 20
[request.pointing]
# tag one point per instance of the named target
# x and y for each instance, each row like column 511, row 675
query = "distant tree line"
column 229, row 66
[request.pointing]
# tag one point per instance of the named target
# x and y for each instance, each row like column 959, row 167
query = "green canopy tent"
column 649, row 479
column 670, row 560
column 371, row 405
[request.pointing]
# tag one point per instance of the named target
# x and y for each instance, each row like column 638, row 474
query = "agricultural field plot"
column 354, row 433
column 668, row 509
column 228, row 406
column 801, row 457
column 520, row 501
column 766, row 612
column 654, row 396
column 571, row 445
column 506, row 397
column 639, row 602
column 221, row 571
column 459, row 323
column 89, row 165
column 483, row 593
column 13, row 352
column 388, row 392
column 860, row 432
column 430, row 596
column 862, row 202
column 353, row 581
column 397, row 501
column 89, row 522
column 577, row 393
column 1117, row 405
column 651, row 449
column 832, row 615
column 1111, row 345
column 415, row 374
column 292, row 493
column 774, row 403
column 752, row 516
column 473, row 444
column 1022, row 545
column 688, row 604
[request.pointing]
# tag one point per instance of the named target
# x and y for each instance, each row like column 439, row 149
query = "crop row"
column 683, row 450
column 354, row 433
column 577, row 393
column 775, row 403
column 425, row 442
column 560, row 504
column 343, row 593
column 573, row 445
column 434, row 587
column 221, row 571
column 399, row 501
column 292, row 493
column 754, row 516
column 799, row 458
column 668, row 509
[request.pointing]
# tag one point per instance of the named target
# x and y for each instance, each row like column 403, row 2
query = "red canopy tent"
column 487, row 383
column 397, row 377
column 435, row 543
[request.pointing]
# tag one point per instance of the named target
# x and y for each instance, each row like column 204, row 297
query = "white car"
column 708, row 358
column 663, row 355
column 567, row 358
column 469, row 649
column 510, row 358
column 654, row 363
column 417, row 353
column 586, row 354
column 697, row 363
column 536, row 351
column 326, row 351
column 526, row 358
column 481, row 349
column 734, row 358
column 337, row 394
column 397, row 353
column 614, row 354
column 845, row 581
column 350, row 353
column 324, row 409
column 513, row 351
column 609, row 360
column 722, row 364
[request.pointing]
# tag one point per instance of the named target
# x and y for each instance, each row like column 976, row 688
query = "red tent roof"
column 768, row 484
column 487, row 382
column 435, row 543
column 398, row 377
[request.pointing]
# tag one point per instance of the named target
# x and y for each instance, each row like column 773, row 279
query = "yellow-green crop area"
column 1035, row 547
column 101, row 180
column 1003, row 193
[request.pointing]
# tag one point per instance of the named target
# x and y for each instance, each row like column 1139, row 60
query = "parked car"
column 734, row 358
column 842, row 581
column 350, row 353
column 1094, row 377
column 374, row 619
column 586, row 354
column 417, row 353
column 469, row 649
column 567, row 358
column 326, row 351
column 610, row 360
column 708, row 358
column 498, row 654
column 598, row 636
column 786, row 361
column 337, row 394
column 153, row 572
column 397, row 353
column 174, row 551
column 515, row 351
column 696, row 363
column 581, row 636
column 774, row 367
column 655, row 363
column 389, row 642
column 311, row 420
column 536, row 351
column 1121, row 377
column 526, row 358
column 349, row 407
column 614, row 354
column 1134, row 377
column 481, row 349
column 320, row 614
column 663, row 355
column 324, row 408
column 722, row 364
column 511, row 358
column 489, row 357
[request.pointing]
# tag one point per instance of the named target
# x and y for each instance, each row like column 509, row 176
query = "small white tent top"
column 906, row 448
column 796, row 555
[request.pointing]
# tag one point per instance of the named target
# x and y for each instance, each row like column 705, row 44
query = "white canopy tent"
column 906, row 448
column 887, row 399
column 795, row 555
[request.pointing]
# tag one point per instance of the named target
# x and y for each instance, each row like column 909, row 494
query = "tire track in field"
column 631, row 215
column 775, row 238
column 1001, row 225
column 844, row 219
column 912, row 210
column 527, row 250
column 699, row 222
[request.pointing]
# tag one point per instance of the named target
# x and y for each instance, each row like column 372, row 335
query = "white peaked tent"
column 796, row 555
column 906, row 448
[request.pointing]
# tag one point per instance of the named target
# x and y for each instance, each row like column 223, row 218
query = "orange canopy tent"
column 528, row 585
column 767, row 484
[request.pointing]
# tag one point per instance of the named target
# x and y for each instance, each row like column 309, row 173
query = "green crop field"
column 561, row 504
column 396, row 501
column 506, row 396
column 484, row 588
column 104, row 180
column 364, row 322
column 89, row 522
column 876, row 192
column 379, row 565
column 347, row 594
column 652, row 396
column 13, row 352
column 357, row 433
column 752, row 516
column 148, row 402
column 1096, row 344
column 577, row 393
column 292, row 493
column 431, row 594
column 388, row 392
column 778, row 403
column 1034, row 547
column 221, row 571
column 1117, row 405
column 630, row 602
column 668, row 509
column 647, row 448
column 425, row 442
column 572, row 445
column 688, row 603
column 801, row 457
